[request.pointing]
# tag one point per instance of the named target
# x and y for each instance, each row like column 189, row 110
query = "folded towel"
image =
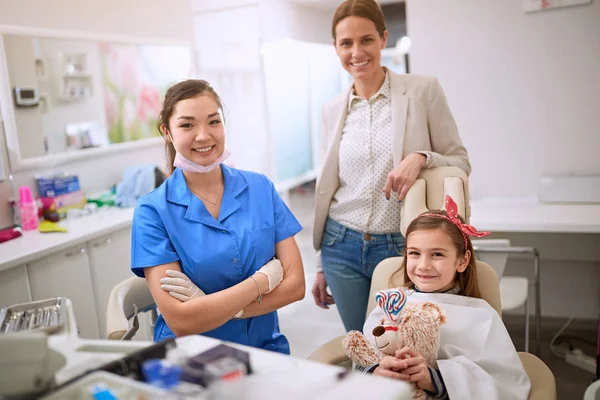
column 10, row 233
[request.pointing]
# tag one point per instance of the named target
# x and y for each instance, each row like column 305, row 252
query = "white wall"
column 525, row 91
column 524, row 88
column 280, row 18
column 284, row 19
column 166, row 19
column 21, row 72
column 233, row 63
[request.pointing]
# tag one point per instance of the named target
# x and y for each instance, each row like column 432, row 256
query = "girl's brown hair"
column 368, row 9
column 466, row 280
column 184, row 90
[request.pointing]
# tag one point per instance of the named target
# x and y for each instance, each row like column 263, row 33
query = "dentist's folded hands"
column 180, row 286
column 274, row 271
column 183, row 289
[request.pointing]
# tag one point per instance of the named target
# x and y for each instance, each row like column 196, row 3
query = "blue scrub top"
column 171, row 224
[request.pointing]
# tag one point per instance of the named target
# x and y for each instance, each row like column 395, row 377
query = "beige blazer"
column 421, row 121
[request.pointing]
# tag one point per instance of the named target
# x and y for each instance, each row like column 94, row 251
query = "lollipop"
column 391, row 301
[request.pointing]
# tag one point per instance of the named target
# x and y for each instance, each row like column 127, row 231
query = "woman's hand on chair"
column 322, row 298
column 415, row 368
column 401, row 178
column 180, row 286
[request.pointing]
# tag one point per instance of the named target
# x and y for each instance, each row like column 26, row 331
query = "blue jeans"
column 349, row 258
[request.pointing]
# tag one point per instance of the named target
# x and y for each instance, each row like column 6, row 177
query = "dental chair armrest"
column 331, row 353
column 116, row 335
column 126, row 301
column 543, row 385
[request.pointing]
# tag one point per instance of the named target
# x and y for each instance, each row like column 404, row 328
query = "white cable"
column 561, row 330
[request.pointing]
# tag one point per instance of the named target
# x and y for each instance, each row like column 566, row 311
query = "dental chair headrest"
column 430, row 190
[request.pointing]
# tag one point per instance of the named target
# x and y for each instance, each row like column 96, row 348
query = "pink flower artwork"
column 135, row 79
column 111, row 106
column 149, row 103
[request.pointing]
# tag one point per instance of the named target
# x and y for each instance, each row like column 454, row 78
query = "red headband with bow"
column 452, row 216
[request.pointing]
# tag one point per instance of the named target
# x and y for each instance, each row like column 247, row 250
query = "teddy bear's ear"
column 391, row 302
column 435, row 311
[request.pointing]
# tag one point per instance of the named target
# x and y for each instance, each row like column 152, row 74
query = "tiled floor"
column 308, row 326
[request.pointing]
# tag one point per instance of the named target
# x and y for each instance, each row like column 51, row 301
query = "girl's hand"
column 401, row 178
column 416, row 368
column 389, row 367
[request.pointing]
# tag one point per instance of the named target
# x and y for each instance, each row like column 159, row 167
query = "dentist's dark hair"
column 368, row 9
column 466, row 280
column 184, row 90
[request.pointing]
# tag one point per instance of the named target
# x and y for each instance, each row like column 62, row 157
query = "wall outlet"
column 579, row 359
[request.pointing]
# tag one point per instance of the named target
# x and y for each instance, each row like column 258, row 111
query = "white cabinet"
column 109, row 262
column 85, row 272
column 67, row 274
column 14, row 286
column 109, row 258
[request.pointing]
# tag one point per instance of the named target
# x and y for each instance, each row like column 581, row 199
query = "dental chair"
column 428, row 193
column 127, row 301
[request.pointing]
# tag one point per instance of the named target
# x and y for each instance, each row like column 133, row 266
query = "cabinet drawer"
column 14, row 286
column 67, row 274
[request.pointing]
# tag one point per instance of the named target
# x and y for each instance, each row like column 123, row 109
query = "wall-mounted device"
column 26, row 96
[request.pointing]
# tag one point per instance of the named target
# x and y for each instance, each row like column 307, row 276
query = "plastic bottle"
column 27, row 209
column 151, row 371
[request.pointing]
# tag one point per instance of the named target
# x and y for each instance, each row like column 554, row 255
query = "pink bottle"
column 27, row 209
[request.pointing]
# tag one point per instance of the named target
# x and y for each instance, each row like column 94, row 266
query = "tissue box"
column 219, row 363
column 50, row 186
column 63, row 202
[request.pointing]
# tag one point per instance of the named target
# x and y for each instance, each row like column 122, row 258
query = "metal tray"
column 45, row 315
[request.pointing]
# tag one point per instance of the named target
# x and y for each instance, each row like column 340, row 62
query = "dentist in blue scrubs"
column 215, row 244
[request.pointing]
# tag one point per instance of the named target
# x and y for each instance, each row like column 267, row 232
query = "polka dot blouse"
column 365, row 159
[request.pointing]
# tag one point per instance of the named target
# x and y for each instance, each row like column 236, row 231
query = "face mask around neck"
column 186, row 165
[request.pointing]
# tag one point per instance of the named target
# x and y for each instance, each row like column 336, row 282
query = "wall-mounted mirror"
column 63, row 95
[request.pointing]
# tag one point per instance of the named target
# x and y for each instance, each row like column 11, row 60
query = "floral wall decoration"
column 134, row 81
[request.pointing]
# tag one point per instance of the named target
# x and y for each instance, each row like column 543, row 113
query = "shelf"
column 75, row 83
column 66, row 99
column 77, row 75
column 41, row 69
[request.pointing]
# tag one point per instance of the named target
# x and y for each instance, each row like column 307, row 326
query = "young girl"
column 476, row 359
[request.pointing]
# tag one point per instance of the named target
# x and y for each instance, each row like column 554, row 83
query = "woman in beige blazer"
column 376, row 138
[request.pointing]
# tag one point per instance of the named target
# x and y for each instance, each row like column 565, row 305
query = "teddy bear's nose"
column 378, row 331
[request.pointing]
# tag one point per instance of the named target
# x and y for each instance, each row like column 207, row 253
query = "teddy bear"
column 414, row 325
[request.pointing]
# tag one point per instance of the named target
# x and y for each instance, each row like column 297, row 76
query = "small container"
column 151, row 370
column 28, row 210
column 52, row 216
column 14, row 204
column 40, row 208
column 123, row 388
